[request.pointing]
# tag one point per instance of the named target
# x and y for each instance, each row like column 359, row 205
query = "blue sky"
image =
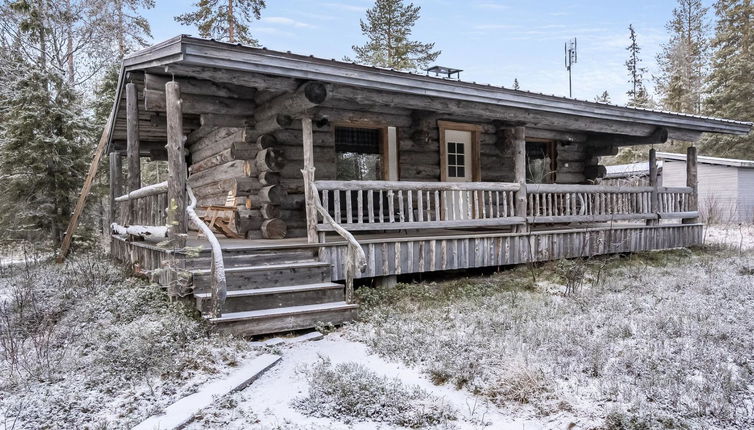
column 493, row 41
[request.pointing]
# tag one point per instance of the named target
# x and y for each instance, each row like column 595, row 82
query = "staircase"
column 272, row 290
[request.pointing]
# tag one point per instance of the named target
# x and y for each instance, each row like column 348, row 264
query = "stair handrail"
column 218, row 289
column 355, row 257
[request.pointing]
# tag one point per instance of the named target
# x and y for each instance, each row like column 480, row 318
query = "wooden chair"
column 219, row 218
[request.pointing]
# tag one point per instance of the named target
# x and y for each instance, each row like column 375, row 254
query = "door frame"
column 476, row 131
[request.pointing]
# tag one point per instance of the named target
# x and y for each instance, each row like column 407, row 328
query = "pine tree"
column 515, row 84
column 44, row 143
column 684, row 59
column 730, row 84
column 637, row 95
column 603, row 98
column 388, row 28
column 226, row 20
column 129, row 29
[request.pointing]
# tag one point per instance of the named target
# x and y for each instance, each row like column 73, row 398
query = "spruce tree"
column 637, row 94
column 44, row 143
column 226, row 20
column 603, row 98
column 730, row 83
column 684, row 59
column 388, row 28
column 516, row 86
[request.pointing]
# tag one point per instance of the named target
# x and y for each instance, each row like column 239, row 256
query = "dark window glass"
column 358, row 156
column 540, row 159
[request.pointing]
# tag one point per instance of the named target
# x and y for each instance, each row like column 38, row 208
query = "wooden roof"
column 277, row 72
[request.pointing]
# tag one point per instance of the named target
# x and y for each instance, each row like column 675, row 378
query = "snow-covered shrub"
column 349, row 391
column 665, row 333
column 81, row 345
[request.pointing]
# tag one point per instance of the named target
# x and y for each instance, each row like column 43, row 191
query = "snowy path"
column 270, row 396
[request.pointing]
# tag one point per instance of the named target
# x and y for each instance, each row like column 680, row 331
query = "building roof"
column 732, row 162
column 628, row 170
column 182, row 53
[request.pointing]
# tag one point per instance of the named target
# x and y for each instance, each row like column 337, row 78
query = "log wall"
column 225, row 160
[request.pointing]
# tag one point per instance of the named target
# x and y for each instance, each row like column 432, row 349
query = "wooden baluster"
column 401, row 214
column 370, row 206
column 336, row 202
column 359, row 207
column 420, row 205
column 326, row 200
column 390, row 206
column 349, row 214
column 438, row 214
column 382, row 204
column 410, row 203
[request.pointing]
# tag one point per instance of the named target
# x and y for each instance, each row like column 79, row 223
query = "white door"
column 458, row 165
column 458, row 145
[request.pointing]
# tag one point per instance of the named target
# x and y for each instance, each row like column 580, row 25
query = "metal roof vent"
column 447, row 72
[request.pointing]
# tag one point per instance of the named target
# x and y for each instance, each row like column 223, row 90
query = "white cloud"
column 346, row 7
column 280, row 20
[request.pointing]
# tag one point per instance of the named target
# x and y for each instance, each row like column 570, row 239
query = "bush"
column 350, row 391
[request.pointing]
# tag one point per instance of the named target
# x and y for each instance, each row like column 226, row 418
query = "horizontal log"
column 561, row 188
column 274, row 229
column 569, row 178
column 270, row 160
column 269, row 178
column 424, row 186
column 271, row 194
column 145, row 232
column 260, row 82
column 679, row 215
column 273, row 123
column 265, row 141
column 150, row 190
column 195, row 104
column 485, row 222
column 307, row 96
column 588, row 218
column 230, row 170
column 221, row 120
column 237, row 151
column 200, row 87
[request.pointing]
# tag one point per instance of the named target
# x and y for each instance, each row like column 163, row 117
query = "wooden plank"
column 132, row 138
column 85, row 189
column 154, row 101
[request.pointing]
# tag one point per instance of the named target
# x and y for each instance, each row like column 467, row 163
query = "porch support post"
column 177, row 223
column 132, row 145
column 519, row 157
column 308, row 172
column 692, row 182
column 654, row 203
column 116, row 183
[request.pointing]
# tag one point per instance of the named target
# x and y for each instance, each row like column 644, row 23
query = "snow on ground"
column 737, row 236
column 267, row 401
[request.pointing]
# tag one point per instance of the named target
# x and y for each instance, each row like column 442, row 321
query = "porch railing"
column 396, row 205
column 391, row 205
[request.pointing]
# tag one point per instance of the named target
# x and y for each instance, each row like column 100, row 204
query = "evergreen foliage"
column 388, row 28
column 730, row 84
column 130, row 29
column 637, row 94
column 226, row 20
column 516, row 86
column 45, row 140
column 684, row 59
column 603, row 98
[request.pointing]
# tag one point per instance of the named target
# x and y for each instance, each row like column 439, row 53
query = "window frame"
column 552, row 152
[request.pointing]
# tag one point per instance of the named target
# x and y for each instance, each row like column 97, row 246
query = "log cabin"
column 290, row 176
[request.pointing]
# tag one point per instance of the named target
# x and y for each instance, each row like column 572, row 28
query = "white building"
column 726, row 186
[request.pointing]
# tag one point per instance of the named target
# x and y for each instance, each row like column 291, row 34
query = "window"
column 456, row 159
column 540, row 162
column 358, row 155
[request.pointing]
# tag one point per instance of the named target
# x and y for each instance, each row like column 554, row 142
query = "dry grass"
column 663, row 340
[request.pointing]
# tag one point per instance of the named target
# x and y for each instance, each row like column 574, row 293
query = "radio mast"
column 570, row 59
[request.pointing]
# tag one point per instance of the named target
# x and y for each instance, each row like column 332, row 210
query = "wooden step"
column 277, row 320
column 266, row 276
column 276, row 297
column 246, row 258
